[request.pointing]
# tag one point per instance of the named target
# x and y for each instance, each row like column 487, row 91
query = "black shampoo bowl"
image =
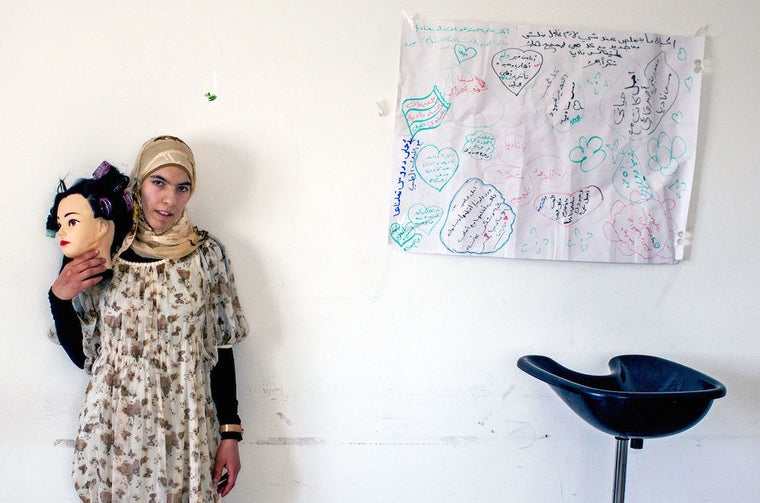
column 642, row 397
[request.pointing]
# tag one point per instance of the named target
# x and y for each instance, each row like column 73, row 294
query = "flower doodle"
column 664, row 153
column 580, row 239
column 537, row 245
column 589, row 154
column 597, row 82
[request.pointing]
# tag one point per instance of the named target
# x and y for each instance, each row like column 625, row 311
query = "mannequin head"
column 79, row 230
column 94, row 213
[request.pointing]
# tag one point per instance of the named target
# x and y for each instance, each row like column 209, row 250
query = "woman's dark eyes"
column 181, row 188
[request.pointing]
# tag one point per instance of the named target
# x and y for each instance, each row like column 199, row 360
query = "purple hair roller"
column 105, row 206
column 101, row 171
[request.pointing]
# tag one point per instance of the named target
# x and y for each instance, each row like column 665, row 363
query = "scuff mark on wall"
column 64, row 442
column 667, row 287
column 310, row 441
column 524, row 434
column 508, row 392
column 458, row 440
column 449, row 441
column 274, row 392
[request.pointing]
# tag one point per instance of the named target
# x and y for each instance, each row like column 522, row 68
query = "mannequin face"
column 79, row 230
column 164, row 194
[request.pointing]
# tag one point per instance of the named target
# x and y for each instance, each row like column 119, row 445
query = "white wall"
column 373, row 376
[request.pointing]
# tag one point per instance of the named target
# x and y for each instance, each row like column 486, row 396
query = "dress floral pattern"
column 148, row 428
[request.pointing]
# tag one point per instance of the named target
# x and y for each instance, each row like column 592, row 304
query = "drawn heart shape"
column 464, row 53
column 688, row 81
column 436, row 166
column 516, row 67
column 405, row 236
column 677, row 117
column 425, row 217
column 569, row 208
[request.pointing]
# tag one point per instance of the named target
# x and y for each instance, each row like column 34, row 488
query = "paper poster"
column 544, row 143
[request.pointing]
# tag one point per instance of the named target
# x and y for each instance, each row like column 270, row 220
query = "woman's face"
column 78, row 229
column 164, row 195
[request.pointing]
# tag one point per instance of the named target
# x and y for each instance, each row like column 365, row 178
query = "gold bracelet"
column 234, row 428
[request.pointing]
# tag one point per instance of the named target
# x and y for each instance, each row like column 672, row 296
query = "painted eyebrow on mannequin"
column 68, row 214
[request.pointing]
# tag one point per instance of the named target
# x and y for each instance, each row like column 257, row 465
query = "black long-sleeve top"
column 223, row 384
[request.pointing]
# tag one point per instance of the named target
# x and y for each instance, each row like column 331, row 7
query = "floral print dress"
column 148, row 428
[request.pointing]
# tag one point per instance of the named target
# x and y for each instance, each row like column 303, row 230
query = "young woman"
column 159, row 420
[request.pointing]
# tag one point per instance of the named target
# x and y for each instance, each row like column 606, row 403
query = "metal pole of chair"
column 621, row 462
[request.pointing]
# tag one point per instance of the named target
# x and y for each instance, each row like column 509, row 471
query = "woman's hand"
column 78, row 275
column 227, row 456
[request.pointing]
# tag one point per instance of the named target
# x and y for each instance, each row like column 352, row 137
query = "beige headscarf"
column 182, row 238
